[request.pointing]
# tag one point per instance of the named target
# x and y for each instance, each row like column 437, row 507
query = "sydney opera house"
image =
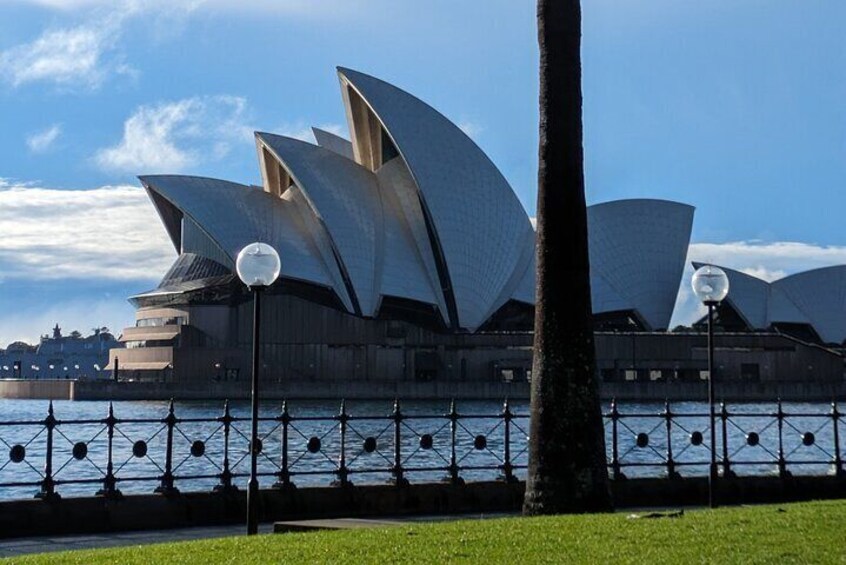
column 406, row 256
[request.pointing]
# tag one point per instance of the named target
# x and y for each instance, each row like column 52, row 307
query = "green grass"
column 795, row 533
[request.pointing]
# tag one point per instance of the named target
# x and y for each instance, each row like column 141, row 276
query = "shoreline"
column 62, row 389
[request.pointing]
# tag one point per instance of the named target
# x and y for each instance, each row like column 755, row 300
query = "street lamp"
column 258, row 267
column 711, row 286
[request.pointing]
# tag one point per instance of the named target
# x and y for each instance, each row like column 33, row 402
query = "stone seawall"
column 157, row 511
column 47, row 389
column 59, row 389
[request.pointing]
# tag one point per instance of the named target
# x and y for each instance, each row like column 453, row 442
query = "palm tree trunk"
column 567, row 467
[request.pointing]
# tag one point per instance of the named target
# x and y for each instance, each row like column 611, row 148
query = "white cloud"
column 302, row 131
column 766, row 260
column 784, row 256
column 321, row 8
column 174, row 136
column 68, row 57
column 85, row 55
column 64, row 5
column 43, row 140
column 112, row 232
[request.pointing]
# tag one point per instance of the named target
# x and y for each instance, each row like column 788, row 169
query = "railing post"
column 109, row 481
column 507, row 467
column 668, row 418
column 284, row 476
column 166, row 486
column 397, row 470
column 727, row 472
column 226, row 474
column 838, row 460
column 48, row 491
column 782, row 464
column 615, row 448
column 454, row 469
column 343, row 472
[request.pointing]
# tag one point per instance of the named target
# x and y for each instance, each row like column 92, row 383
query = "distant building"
column 59, row 357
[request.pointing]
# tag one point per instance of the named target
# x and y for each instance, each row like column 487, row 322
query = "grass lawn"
column 789, row 533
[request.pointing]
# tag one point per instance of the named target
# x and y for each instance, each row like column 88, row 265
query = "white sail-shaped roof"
column 344, row 197
column 748, row 295
column 820, row 295
column 637, row 256
column 479, row 231
column 234, row 215
column 410, row 269
column 412, row 209
column 332, row 142
column 816, row 298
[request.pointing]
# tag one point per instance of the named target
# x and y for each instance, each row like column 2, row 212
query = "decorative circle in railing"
column 313, row 444
column 752, row 439
column 808, row 439
column 370, row 444
column 480, row 442
column 696, row 438
column 259, row 446
column 139, row 448
column 426, row 441
column 198, row 448
column 642, row 439
column 80, row 450
column 17, row 453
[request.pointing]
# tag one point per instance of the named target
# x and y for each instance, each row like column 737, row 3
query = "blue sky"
column 734, row 107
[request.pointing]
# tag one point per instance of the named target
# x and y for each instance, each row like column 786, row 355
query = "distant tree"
column 75, row 334
column 567, row 467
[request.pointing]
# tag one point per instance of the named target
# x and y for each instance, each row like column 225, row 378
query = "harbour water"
column 756, row 437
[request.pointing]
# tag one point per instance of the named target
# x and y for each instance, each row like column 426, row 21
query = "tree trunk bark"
column 567, row 467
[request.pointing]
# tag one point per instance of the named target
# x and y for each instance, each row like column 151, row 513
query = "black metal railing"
column 762, row 442
column 114, row 455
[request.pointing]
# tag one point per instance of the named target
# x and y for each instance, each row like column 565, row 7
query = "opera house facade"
column 406, row 256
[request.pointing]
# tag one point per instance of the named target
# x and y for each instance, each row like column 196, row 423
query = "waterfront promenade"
column 48, row 544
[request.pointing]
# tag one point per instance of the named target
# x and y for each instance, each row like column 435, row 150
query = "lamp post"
column 258, row 267
column 711, row 286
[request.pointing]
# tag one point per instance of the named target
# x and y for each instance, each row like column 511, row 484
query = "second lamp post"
column 258, row 267
column 711, row 286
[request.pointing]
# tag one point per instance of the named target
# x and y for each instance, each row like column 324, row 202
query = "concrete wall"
column 273, row 389
column 336, row 390
column 97, row 514
column 777, row 358
column 49, row 389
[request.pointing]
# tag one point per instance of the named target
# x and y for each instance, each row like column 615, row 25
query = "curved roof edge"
column 333, row 142
column 658, row 201
column 323, row 176
column 758, row 302
column 231, row 215
column 818, row 271
column 452, row 174
column 638, row 250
